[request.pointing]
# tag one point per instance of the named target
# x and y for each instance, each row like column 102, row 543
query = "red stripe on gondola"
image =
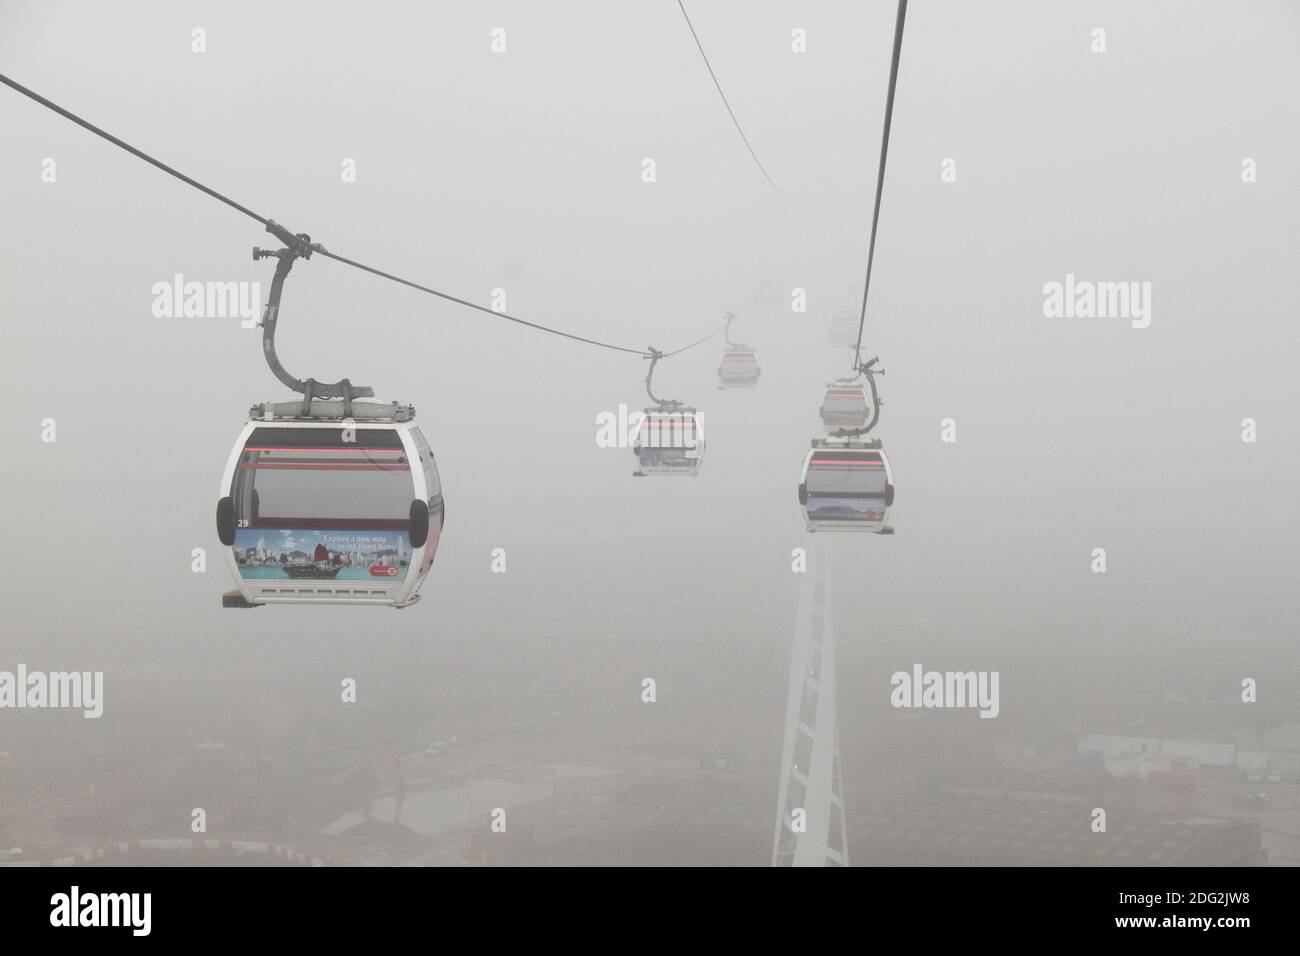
column 350, row 451
column 304, row 466
column 330, row 524
column 846, row 494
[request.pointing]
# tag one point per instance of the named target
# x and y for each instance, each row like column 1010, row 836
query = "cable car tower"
column 810, row 825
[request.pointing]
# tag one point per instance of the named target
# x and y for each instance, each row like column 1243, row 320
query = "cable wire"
column 289, row 239
column 84, row 124
column 470, row 305
column 730, row 111
column 726, row 322
column 880, row 177
column 695, row 343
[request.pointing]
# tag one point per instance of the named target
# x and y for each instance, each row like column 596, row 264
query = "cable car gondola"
column 331, row 512
column 670, row 437
column 331, row 499
column 738, row 367
column 844, row 406
column 846, row 485
column 669, row 441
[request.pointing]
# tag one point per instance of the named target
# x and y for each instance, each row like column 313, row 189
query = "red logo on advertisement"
column 383, row 571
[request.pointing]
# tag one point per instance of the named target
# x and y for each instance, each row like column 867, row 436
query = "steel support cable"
column 730, row 111
column 470, row 305
column 693, row 344
column 84, row 124
column 301, row 247
column 880, row 177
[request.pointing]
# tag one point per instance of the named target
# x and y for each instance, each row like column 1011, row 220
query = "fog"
column 522, row 171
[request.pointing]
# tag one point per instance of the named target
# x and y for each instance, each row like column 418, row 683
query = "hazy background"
column 1072, row 433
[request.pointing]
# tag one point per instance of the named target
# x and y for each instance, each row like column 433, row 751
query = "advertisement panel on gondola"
column 265, row 554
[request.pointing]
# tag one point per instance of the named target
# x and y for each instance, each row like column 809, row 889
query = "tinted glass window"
column 310, row 477
column 844, row 400
column 837, row 473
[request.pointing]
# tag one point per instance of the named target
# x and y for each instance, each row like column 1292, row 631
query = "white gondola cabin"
column 738, row 368
column 844, row 406
column 669, row 441
column 846, row 485
column 328, row 511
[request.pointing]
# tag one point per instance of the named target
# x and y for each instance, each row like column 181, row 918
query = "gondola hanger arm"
column 297, row 246
column 729, row 317
column 654, row 355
